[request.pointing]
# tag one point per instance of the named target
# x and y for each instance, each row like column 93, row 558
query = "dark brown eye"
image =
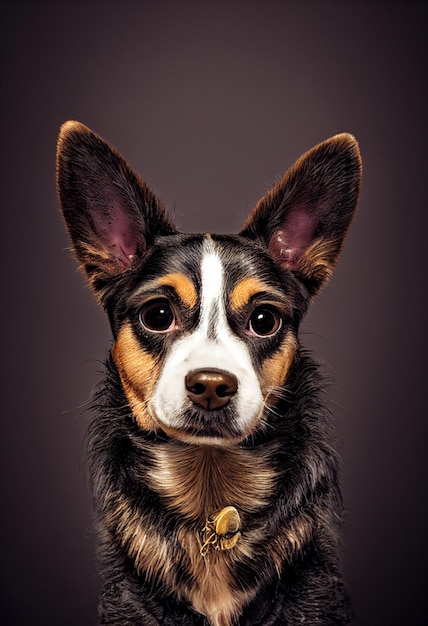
column 157, row 316
column 264, row 321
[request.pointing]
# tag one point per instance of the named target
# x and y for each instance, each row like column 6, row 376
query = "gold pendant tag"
column 222, row 530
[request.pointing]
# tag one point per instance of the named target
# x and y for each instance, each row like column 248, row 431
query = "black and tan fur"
column 157, row 478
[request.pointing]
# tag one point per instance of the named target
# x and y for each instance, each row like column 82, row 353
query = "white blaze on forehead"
column 212, row 288
column 211, row 345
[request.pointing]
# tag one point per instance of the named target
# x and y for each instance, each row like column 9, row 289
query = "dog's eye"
column 157, row 316
column 264, row 321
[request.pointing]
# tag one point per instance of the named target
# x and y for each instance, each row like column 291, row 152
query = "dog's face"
column 206, row 336
column 205, row 326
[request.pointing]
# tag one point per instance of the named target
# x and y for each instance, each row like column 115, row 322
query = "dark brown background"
column 210, row 102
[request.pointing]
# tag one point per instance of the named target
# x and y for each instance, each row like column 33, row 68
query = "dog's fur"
column 164, row 460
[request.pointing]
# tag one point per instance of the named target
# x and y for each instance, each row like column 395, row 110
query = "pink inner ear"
column 118, row 233
column 289, row 242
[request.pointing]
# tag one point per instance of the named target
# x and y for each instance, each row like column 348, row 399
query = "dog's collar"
column 221, row 531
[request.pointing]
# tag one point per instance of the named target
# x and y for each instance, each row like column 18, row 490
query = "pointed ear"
column 304, row 219
column 112, row 216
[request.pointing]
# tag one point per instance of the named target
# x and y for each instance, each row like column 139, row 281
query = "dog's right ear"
column 112, row 216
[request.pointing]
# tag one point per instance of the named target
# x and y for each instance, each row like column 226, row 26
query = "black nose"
column 210, row 388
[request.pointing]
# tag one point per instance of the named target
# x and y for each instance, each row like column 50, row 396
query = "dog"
column 210, row 453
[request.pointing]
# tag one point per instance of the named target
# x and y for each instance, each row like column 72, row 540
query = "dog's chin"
column 205, row 427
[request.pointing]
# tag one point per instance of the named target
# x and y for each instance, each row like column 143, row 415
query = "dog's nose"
column 210, row 388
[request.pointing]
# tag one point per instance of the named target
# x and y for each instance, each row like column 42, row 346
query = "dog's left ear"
column 304, row 219
column 111, row 214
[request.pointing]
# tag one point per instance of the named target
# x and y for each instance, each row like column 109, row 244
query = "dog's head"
column 205, row 326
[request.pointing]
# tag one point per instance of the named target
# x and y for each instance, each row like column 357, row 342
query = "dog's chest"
column 197, row 481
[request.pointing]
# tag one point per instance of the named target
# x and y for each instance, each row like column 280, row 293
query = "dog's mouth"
column 198, row 423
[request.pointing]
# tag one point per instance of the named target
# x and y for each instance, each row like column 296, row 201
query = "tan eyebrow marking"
column 242, row 292
column 183, row 286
